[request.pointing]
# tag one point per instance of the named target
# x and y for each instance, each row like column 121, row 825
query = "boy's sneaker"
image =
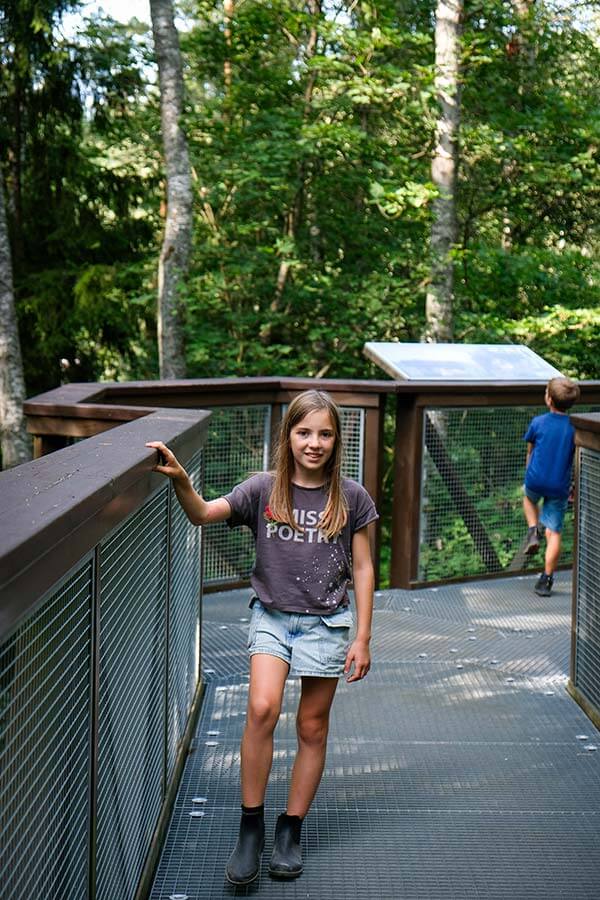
column 543, row 585
column 533, row 541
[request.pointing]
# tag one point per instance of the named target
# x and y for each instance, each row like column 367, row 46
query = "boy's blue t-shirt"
column 549, row 469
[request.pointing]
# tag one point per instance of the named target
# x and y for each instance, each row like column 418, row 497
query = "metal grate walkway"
column 457, row 769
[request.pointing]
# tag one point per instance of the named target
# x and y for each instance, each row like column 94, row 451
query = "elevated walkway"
column 457, row 769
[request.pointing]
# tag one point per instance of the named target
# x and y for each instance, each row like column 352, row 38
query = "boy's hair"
column 335, row 514
column 563, row 393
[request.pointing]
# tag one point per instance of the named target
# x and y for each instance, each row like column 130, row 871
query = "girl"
column 310, row 527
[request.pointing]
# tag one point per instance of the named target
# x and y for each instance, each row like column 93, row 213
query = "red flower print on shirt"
column 268, row 514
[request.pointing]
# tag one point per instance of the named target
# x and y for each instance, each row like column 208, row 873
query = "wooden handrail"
column 55, row 509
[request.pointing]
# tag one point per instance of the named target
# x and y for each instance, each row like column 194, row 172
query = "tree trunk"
column 521, row 52
column 15, row 156
column 438, row 305
column 524, row 50
column 228, row 12
column 175, row 253
column 14, row 441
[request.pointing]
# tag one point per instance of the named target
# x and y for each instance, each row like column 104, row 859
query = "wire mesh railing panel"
column 44, row 747
column 131, row 696
column 237, row 446
column 184, row 618
column 353, row 440
column 587, row 615
column 471, row 513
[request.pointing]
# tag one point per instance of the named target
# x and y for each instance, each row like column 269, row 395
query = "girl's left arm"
column 359, row 654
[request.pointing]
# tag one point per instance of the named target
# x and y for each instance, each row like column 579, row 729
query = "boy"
column 550, row 448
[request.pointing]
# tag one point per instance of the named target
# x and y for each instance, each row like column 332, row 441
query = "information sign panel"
column 459, row 362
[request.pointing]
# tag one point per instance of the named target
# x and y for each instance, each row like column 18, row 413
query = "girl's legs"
column 267, row 681
column 312, row 725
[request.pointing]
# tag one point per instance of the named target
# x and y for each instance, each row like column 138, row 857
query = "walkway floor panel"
column 457, row 769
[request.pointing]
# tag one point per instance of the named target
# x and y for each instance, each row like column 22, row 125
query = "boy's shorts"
column 310, row 645
column 553, row 510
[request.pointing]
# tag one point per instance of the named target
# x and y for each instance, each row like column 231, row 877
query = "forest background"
column 328, row 189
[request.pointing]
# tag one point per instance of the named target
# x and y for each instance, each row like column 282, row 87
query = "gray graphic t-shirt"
column 299, row 571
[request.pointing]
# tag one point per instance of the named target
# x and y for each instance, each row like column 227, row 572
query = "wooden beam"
column 407, row 491
column 373, row 470
column 44, row 444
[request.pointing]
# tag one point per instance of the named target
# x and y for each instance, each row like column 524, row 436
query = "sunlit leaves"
column 339, row 144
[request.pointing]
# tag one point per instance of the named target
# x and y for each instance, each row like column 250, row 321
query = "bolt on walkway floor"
column 460, row 768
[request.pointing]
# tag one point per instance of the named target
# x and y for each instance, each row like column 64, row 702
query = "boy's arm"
column 198, row 510
column 364, row 581
column 529, row 449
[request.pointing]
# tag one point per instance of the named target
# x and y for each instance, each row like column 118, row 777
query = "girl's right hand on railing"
column 168, row 464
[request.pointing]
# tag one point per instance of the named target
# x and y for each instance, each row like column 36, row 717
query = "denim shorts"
column 310, row 645
column 553, row 510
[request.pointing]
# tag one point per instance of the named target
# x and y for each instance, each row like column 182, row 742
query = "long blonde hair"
column 335, row 514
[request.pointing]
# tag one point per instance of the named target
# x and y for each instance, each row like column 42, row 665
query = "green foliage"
column 288, row 163
column 320, row 166
column 312, row 185
column 527, row 261
column 81, row 175
column 544, row 297
column 312, row 194
column 96, row 323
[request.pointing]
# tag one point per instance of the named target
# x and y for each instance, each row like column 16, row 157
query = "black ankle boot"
column 244, row 862
column 286, row 859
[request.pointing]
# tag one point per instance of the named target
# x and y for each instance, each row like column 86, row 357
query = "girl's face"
column 312, row 441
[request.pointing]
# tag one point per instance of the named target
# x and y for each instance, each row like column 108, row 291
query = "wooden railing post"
column 48, row 443
column 408, row 452
column 373, row 471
